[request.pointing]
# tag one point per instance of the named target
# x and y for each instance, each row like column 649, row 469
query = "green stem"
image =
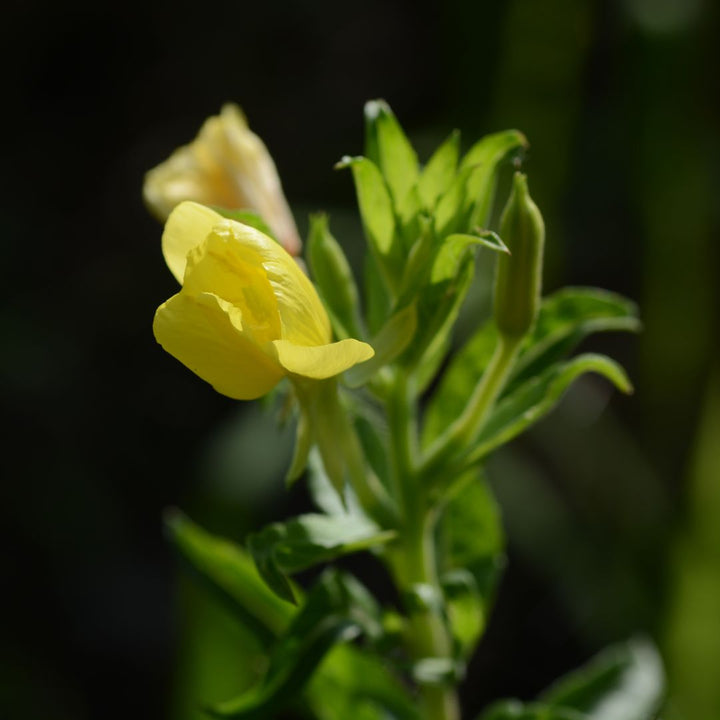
column 414, row 563
column 462, row 432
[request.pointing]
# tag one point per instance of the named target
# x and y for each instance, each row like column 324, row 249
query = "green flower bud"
column 518, row 276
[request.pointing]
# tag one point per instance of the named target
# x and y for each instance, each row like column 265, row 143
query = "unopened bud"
column 518, row 276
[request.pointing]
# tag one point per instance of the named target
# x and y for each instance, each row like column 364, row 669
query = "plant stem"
column 414, row 563
column 461, row 433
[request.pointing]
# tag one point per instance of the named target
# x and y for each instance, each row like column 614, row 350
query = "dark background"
column 102, row 430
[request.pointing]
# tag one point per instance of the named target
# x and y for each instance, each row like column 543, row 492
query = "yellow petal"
column 205, row 334
column 226, row 165
column 321, row 361
column 187, row 227
column 221, row 265
column 303, row 318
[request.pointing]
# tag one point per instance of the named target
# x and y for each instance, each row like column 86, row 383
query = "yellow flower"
column 227, row 166
column 246, row 315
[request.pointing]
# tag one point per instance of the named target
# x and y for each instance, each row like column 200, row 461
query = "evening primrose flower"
column 227, row 166
column 246, row 315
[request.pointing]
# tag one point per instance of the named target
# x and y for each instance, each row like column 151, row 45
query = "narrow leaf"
column 377, row 214
column 437, row 175
column 395, row 155
column 537, row 397
column 566, row 318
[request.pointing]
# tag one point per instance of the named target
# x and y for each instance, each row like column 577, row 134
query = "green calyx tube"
column 518, row 276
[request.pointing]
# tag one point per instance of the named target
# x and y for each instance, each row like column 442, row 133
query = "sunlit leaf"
column 376, row 210
column 437, row 175
column 281, row 549
column 391, row 150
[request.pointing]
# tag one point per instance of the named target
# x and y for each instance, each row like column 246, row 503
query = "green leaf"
column 437, row 175
column 324, row 621
column 515, row 710
column 623, row 682
column 439, row 302
column 454, row 208
column 376, row 210
column 566, row 317
column 352, row 684
column 537, row 397
column 377, row 296
column 247, row 217
column 230, row 574
column 391, row 150
column 466, row 609
column 388, row 344
column 334, row 279
column 471, row 547
column 281, row 549
column 487, row 155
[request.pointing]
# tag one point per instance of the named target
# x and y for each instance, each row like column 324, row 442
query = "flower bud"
column 518, row 276
column 228, row 166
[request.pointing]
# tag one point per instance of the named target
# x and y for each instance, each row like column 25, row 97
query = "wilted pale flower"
column 227, row 166
column 246, row 315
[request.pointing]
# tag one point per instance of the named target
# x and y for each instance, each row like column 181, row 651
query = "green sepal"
column 247, row 217
column 537, row 397
column 228, row 572
column 388, row 147
column 378, row 217
column 282, row 549
column 623, row 682
column 439, row 172
column 334, row 279
column 392, row 339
